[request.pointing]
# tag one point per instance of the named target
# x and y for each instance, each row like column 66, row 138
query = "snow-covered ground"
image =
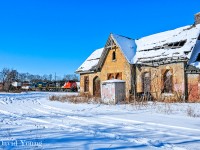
column 31, row 121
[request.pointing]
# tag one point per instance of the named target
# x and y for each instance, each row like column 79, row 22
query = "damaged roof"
column 173, row 45
column 91, row 62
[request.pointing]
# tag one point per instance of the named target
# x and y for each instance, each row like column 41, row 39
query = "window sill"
column 114, row 60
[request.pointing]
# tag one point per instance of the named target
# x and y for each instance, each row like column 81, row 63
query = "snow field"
column 31, row 121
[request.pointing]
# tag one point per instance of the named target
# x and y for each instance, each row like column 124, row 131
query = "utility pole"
column 55, row 82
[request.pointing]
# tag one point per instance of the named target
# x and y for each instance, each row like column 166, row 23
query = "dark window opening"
column 170, row 44
column 198, row 57
column 182, row 43
column 118, row 76
column 86, row 84
column 176, row 43
column 168, row 84
column 186, row 53
column 110, row 76
column 114, row 56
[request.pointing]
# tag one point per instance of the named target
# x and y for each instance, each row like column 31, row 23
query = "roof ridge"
column 123, row 36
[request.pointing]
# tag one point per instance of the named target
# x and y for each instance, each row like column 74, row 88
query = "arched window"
column 114, row 56
column 119, row 76
column 168, row 84
column 86, row 84
column 110, row 76
column 96, row 87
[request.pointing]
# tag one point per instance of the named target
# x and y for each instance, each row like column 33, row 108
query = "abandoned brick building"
column 165, row 64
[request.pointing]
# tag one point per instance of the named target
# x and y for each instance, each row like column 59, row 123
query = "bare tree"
column 71, row 77
column 7, row 77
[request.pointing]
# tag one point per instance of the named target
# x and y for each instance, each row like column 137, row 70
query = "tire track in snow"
column 130, row 121
column 122, row 136
column 94, row 131
column 160, row 125
column 150, row 123
column 61, row 111
column 69, row 128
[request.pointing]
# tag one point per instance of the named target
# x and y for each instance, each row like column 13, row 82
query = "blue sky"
column 48, row 36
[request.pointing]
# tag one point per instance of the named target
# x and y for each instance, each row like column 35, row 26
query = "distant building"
column 1, row 86
column 166, row 64
column 16, row 84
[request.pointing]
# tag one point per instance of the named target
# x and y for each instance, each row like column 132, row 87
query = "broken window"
column 114, row 56
column 168, row 85
column 181, row 43
column 86, row 84
column 176, row 44
column 172, row 45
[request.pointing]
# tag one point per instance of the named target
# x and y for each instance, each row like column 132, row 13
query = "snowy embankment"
column 31, row 121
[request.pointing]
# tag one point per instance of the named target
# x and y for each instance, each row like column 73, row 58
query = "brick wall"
column 193, row 88
column 157, row 81
column 110, row 66
column 119, row 65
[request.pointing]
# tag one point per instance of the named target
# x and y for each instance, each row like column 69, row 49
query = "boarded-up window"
column 118, row 76
column 86, row 84
column 146, row 82
column 168, row 84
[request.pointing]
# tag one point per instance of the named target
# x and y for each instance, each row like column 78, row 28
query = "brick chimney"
column 197, row 18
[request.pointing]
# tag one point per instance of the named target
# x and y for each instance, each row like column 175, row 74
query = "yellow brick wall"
column 120, row 65
column 157, row 79
column 91, row 78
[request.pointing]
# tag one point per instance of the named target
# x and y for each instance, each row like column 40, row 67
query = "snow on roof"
column 166, row 44
column 113, row 81
column 127, row 45
column 91, row 61
column 177, row 44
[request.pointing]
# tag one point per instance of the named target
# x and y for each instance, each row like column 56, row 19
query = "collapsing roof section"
column 181, row 44
column 89, row 65
column 167, row 46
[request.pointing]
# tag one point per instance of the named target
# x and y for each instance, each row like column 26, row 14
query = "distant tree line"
column 7, row 76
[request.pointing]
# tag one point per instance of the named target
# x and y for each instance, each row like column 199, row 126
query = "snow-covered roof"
column 113, row 81
column 173, row 44
column 90, row 63
column 127, row 46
